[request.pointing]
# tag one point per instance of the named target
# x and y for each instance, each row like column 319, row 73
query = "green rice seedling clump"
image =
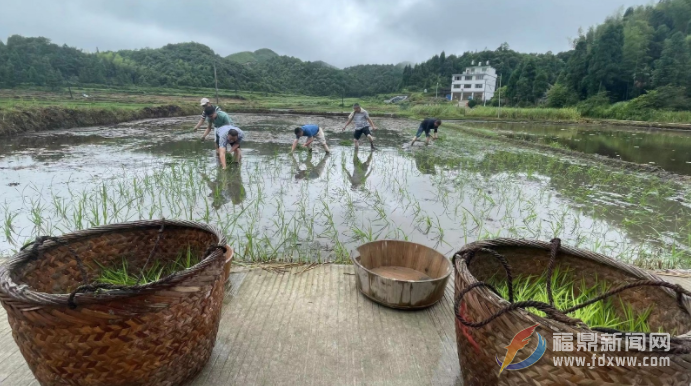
column 568, row 293
column 125, row 275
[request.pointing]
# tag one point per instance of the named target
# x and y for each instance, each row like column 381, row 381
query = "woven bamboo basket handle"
column 228, row 259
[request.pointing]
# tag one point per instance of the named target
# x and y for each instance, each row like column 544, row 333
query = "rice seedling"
column 123, row 274
column 8, row 220
column 568, row 293
column 480, row 188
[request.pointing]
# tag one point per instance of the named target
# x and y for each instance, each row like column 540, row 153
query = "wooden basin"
column 401, row 274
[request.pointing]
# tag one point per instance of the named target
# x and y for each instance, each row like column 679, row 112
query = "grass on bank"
column 417, row 106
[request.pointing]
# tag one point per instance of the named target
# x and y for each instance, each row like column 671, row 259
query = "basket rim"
column 359, row 265
column 22, row 292
column 463, row 271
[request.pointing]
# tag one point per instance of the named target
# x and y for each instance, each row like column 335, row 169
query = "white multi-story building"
column 477, row 82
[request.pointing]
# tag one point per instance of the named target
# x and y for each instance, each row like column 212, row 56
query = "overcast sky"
column 340, row 32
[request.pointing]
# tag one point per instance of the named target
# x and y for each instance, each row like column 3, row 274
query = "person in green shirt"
column 215, row 118
column 204, row 103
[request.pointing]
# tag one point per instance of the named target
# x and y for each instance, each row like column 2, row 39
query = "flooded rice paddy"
column 318, row 207
column 668, row 149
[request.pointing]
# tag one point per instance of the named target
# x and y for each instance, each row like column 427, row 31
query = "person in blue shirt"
column 311, row 132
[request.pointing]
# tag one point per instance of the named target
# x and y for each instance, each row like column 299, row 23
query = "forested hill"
column 37, row 61
column 645, row 49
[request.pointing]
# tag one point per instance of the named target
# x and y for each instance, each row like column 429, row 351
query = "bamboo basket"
column 481, row 347
column 401, row 274
column 160, row 333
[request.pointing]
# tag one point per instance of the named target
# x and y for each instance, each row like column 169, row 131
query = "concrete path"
column 311, row 327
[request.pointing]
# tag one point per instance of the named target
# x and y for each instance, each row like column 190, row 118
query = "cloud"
column 340, row 32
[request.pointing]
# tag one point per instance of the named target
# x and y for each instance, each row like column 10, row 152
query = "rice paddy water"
column 314, row 207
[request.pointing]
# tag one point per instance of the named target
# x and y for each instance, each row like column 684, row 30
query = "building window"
column 479, row 77
column 478, row 86
column 466, row 86
column 456, row 78
column 456, row 86
column 484, row 69
column 468, row 78
column 472, row 70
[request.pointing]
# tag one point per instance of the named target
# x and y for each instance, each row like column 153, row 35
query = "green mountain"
column 264, row 54
column 243, row 57
column 246, row 57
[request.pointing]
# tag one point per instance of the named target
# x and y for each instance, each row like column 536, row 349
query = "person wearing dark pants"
column 426, row 127
column 360, row 118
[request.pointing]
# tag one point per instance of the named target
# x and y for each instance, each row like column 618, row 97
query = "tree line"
column 37, row 61
column 642, row 54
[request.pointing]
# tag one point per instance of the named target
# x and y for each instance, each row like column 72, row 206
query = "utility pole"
column 484, row 94
column 499, row 111
column 216, row 80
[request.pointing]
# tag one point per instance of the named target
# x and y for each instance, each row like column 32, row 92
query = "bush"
column 561, row 96
column 472, row 103
column 594, row 106
column 665, row 97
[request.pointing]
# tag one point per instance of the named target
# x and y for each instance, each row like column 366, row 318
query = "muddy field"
column 318, row 207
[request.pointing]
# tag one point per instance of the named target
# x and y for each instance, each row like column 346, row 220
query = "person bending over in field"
column 205, row 103
column 216, row 119
column 363, row 123
column 426, row 126
column 229, row 135
column 311, row 132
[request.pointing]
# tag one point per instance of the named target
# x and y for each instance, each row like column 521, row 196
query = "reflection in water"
column 312, row 172
column 361, row 170
column 424, row 161
column 227, row 186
